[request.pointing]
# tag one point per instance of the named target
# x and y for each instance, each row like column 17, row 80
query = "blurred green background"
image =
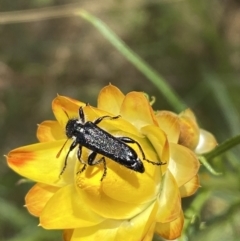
column 194, row 45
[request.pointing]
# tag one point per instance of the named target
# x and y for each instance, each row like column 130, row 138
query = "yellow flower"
column 125, row 205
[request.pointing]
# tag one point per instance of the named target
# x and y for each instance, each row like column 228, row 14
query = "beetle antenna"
column 60, row 151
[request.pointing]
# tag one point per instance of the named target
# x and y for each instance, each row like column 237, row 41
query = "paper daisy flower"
column 124, row 204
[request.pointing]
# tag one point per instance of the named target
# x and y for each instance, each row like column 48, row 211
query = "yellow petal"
column 159, row 141
column 67, row 209
column 140, row 227
column 169, row 200
column 183, row 163
column 189, row 130
column 65, row 108
column 169, row 123
column 107, row 207
column 38, row 162
column 190, row 187
column 38, row 196
column 137, row 110
column 105, row 231
column 110, row 99
column 150, row 233
column 50, row 131
column 171, row 230
column 116, row 127
column 207, row 142
column 142, row 186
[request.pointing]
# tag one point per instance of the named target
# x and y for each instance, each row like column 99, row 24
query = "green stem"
column 72, row 9
column 205, row 163
column 223, row 147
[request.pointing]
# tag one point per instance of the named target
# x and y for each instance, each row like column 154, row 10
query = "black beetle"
column 88, row 134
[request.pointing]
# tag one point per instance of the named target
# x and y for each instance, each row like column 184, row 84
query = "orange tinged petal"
column 207, row 142
column 183, row 163
column 137, row 110
column 50, row 131
column 169, row 200
column 110, row 99
column 169, row 123
column 189, row 130
column 38, row 196
column 190, row 187
column 171, row 230
column 38, row 162
column 67, row 234
column 66, row 210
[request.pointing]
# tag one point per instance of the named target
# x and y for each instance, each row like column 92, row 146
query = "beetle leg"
column 129, row 140
column 79, row 154
column 73, row 145
column 92, row 162
column 81, row 115
column 91, row 158
column 98, row 120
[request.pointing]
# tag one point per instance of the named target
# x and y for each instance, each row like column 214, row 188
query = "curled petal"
column 169, row 123
column 169, row 200
column 38, row 162
column 110, row 99
column 189, row 130
column 171, row 230
column 66, row 210
column 137, row 110
column 190, row 187
column 50, row 131
column 183, row 163
column 207, row 142
column 188, row 115
column 38, row 196
column 65, row 108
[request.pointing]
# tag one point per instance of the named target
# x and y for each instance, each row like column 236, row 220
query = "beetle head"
column 71, row 127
